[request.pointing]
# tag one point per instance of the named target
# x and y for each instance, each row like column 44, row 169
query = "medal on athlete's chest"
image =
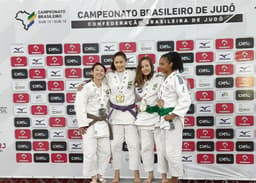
column 120, row 98
column 143, row 106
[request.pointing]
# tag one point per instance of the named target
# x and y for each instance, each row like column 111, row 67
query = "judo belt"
column 165, row 111
column 96, row 118
column 152, row 109
column 123, row 109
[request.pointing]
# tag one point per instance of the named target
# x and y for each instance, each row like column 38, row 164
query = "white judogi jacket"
column 121, row 83
column 175, row 94
column 149, row 93
column 89, row 100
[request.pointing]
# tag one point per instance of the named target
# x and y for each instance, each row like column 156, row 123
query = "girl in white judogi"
column 122, row 116
column 91, row 112
column 174, row 101
column 147, row 85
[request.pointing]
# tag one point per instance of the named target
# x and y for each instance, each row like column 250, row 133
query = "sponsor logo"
column 41, row 158
column 245, row 55
column 223, row 108
column 26, row 19
column 35, row 49
column 37, row 73
column 20, row 98
column 40, row 146
column 224, row 69
column 165, row 46
column 189, row 121
column 151, row 56
column 204, row 57
column 188, row 146
column 244, row 69
column 37, row 85
column 224, row 120
column 205, row 133
column 39, row 122
column 187, row 158
column 87, row 73
column 74, row 134
column 70, row 97
column 242, row 82
column 188, row 70
column 40, row 134
column 72, row 60
column 127, row 47
column 72, row 121
column 204, row 83
column 204, row 70
column 205, row 146
column 23, row 158
column 19, row 73
column 185, row 45
column 204, row 108
column 245, row 42
column 226, row 133
column 59, row 158
column 244, row 95
column 225, row 158
column 57, row 122
column 191, row 83
column 224, row 95
column 244, row 120
column 55, row 73
column 109, row 48
column 56, row 97
column 38, row 98
column 20, row 110
column 91, row 48
column 245, row 159
column 3, row 110
column 90, row 59
column 73, row 73
column 36, row 61
column 204, row 44
column 224, row 43
column 39, row 110
column 57, row 110
column 75, row 158
column 72, row 48
column 245, row 108
column 244, row 133
column 54, row 60
column 18, row 49
column 20, row 85
column 22, row 134
column 58, row 134
column 205, row 158
column 187, row 57
column 54, row 48
column 56, row 85
column 224, row 56
column 147, row 46
column 59, row 146
column 21, row 122
column 204, row 95
column 224, row 82
column 191, row 109
column 244, row 146
column 204, row 120
column 225, row 146
column 75, row 146
column 71, row 110
column 188, row 134
column 23, row 146
column 106, row 59
column 19, row 61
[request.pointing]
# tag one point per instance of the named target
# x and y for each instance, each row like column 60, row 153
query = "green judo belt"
column 160, row 111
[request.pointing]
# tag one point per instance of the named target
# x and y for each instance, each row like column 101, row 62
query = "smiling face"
column 165, row 66
column 145, row 67
column 98, row 72
column 119, row 63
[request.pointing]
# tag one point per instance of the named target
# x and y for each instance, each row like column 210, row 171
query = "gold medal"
column 143, row 106
column 119, row 98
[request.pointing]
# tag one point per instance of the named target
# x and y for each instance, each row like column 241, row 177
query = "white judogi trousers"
column 171, row 149
column 129, row 134
column 96, row 154
column 148, row 139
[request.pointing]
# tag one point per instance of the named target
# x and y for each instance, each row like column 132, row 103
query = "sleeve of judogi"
column 184, row 99
column 81, row 107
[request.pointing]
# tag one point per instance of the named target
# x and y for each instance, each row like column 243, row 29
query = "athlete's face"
column 145, row 67
column 98, row 72
column 165, row 66
column 119, row 63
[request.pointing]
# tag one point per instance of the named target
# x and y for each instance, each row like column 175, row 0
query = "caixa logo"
column 245, row 146
column 72, row 60
column 23, row 146
column 40, row 134
column 59, row 146
column 225, row 158
column 90, row 48
column 203, row 70
column 19, row 74
column 205, row 146
column 244, row 94
column 41, row 158
column 245, row 42
column 165, row 45
column 226, row 133
column 75, row 158
column 188, row 133
column 54, row 48
column 204, row 120
column 187, row 57
column 224, row 82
